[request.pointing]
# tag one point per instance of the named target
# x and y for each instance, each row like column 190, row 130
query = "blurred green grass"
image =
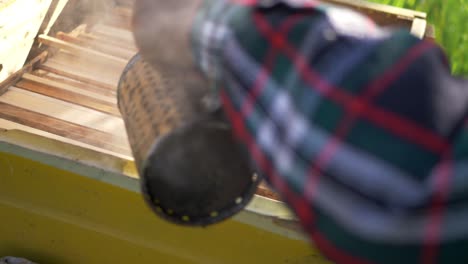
column 450, row 18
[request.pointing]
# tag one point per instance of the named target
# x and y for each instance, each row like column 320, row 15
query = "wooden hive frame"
column 385, row 15
column 68, row 92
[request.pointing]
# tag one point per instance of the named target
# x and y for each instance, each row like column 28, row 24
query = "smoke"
column 77, row 12
column 162, row 29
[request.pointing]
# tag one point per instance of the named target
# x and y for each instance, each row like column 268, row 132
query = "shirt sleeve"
column 361, row 129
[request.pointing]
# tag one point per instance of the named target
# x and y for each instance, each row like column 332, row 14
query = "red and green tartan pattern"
column 362, row 130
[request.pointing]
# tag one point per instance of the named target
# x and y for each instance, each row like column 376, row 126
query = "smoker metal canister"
column 192, row 171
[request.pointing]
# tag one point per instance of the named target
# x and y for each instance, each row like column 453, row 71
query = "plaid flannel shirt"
column 361, row 129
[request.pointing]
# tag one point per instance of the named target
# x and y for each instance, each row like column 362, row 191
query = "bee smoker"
column 191, row 168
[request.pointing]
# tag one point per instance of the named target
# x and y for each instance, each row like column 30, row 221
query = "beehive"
column 86, row 184
column 20, row 21
column 69, row 94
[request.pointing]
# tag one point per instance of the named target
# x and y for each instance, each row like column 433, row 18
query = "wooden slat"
column 57, row 43
column 265, row 191
column 66, row 87
column 69, row 96
column 78, row 84
column 98, row 46
column 81, row 29
column 70, row 38
column 113, row 32
column 100, row 71
column 110, row 41
column 79, row 77
column 66, row 111
column 59, row 127
column 9, row 125
column 63, row 86
column 131, row 48
column 123, row 12
column 118, row 22
column 109, row 36
column 106, row 46
column 95, row 73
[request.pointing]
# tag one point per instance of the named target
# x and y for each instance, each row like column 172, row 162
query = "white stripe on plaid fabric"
column 350, row 23
column 366, row 173
column 212, row 32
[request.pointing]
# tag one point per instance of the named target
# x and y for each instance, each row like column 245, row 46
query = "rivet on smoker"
column 214, row 214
